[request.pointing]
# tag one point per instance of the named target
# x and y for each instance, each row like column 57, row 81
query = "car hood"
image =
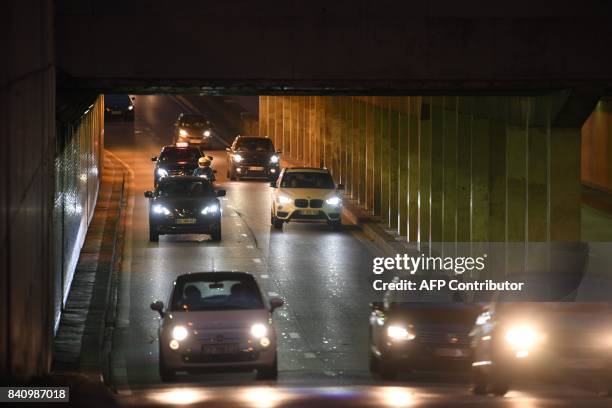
column 250, row 154
column 195, row 128
column 178, row 165
column 308, row 193
column 185, row 203
column 444, row 314
column 219, row 319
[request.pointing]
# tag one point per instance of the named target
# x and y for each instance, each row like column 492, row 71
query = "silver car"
column 217, row 321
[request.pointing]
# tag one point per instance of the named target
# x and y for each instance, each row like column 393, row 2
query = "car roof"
column 306, row 170
column 221, row 275
column 174, row 147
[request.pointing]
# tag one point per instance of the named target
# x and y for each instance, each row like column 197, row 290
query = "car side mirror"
column 273, row 184
column 158, row 306
column 148, row 194
column 275, row 303
column 154, row 158
column 340, row 187
column 220, row 193
column 133, row 98
column 377, row 306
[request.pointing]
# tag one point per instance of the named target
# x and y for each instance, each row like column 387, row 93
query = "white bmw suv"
column 218, row 321
column 306, row 194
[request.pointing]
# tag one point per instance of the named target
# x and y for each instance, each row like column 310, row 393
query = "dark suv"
column 193, row 129
column 176, row 160
column 118, row 107
column 252, row 156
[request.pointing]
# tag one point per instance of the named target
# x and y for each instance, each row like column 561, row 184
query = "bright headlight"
column 207, row 133
column 284, row 200
column 183, row 132
column 160, row 209
column 274, row 159
column 130, row 107
column 399, row 333
column 333, row 201
column 237, row 158
column 522, row 337
column 162, row 172
column 259, row 330
column 180, row 333
column 210, row 209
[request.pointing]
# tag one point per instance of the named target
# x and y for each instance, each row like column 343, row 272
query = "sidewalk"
column 80, row 340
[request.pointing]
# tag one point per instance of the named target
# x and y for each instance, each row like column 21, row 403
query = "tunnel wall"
column 597, row 147
column 78, row 165
column 442, row 169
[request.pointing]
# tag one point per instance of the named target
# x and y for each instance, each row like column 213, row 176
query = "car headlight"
column 259, row 330
column 210, row 209
column 162, row 172
column 274, row 159
column 207, row 133
column 399, row 333
column 284, row 200
column 180, row 333
column 237, row 158
column 183, row 132
column 335, row 201
column 160, row 209
column 130, row 107
column 522, row 337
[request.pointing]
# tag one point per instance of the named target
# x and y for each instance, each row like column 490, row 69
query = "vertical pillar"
column 371, row 137
column 480, row 176
column 413, row 169
column 425, row 130
column 385, row 157
column 450, row 170
column 437, row 170
column 464, row 167
column 403, row 165
column 394, row 106
column 377, row 147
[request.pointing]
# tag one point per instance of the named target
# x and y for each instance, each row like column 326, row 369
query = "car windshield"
column 194, row 120
column 179, row 154
column 255, row 145
column 307, row 180
column 184, row 188
column 235, row 292
column 116, row 100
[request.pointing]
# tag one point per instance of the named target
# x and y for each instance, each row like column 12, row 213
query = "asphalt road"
column 324, row 277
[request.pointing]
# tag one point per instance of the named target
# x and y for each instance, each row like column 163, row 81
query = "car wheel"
column 268, row 373
column 278, row 224
column 165, row 374
column 480, row 383
column 215, row 235
column 500, row 387
column 153, row 235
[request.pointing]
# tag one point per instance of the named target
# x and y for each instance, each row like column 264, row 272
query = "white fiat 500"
column 217, row 321
column 306, row 194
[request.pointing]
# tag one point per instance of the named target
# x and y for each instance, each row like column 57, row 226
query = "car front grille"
column 304, row 203
column 316, row 203
column 301, row 203
column 434, row 337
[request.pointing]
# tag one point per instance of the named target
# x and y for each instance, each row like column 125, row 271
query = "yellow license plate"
column 256, row 168
column 309, row 212
column 186, row 221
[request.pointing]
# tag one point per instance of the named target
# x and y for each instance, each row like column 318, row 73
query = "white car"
column 217, row 321
column 305, row 194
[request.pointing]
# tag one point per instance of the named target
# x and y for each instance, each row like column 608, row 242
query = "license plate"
column 256, row 168
column 195, row 141
column 583, row 363
column 186, row 221
column 309, row 212
column 451, row 352
column 220, row 349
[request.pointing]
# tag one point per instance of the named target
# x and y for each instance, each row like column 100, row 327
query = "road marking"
column 294, row 335
column 250, row 247
column 329, row 373
column 244, row 235
column 256, row 260
column 310, row 355
column 264, row 276
column 272, row 294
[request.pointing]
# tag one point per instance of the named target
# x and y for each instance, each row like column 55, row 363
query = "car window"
column 184, row 188
column 307, row 180
column 193, row 120
column 178, row 154
column 254, row 145
column 217, row 294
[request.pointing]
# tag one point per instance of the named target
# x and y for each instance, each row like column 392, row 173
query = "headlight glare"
column 160, row 209
column 183, row 132
column 210, row 209
column 399, row 333
column 179, row 333
column 335, row 201
column 237, row 158
column 522, row 337
column 274, row 159
column 130, row 107
column 207, row 133
column 259, row 330
column 284, row 199
column 162, row 172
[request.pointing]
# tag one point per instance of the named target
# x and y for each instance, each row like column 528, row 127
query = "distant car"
column 253, row 157
column 176, row 160
column 193, row 129
column 217, row 321
column 420, row 330
column 542, row 340
column 118, row 107
column 304, row 194
column 184, row 205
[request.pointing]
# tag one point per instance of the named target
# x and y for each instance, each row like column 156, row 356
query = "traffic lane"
column 430, row 395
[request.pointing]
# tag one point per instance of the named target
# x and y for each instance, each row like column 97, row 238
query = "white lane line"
column 256, row 260
column 250, row 247
column 244, row 235
column 310, row 355
column 329, row 373
column 294, row 335
column 272, row 294
column 265, row 276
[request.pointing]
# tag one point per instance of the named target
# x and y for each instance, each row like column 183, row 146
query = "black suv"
column 184, row 205
column 252, row 156
column 193, row 129
column 176, row 160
